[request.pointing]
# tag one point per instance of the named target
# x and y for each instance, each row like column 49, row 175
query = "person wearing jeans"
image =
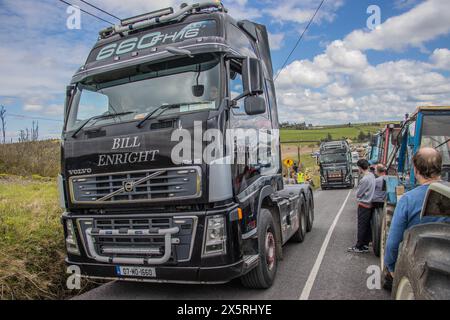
column 364, row 196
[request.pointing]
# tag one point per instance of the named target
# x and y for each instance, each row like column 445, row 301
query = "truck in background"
column 335, row 162
column 134, row 213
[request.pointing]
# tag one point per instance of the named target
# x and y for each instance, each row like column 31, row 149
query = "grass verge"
column 31, row 240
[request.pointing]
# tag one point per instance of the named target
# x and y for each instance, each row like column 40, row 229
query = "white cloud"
column 33, row 107
column 337, row 90
column 301, row 11
column 302, row 73
column 276, row 40
column 441, row 58
column 425, row 22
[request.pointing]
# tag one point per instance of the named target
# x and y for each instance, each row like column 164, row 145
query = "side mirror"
column 252, row 76
column 254, row 105
column 394, row 137
column 69, row 93
column 437, row 201
column 373, row 141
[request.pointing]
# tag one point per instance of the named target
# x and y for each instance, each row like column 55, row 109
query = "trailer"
column 171, row 162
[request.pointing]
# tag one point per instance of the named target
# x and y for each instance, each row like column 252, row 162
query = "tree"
column 34, row 131
column 29, row 134
column 329, row 137
column 3, row 120
column 362, row 136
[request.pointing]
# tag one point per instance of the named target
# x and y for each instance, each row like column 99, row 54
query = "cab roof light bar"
column 160, row 16
column 146, row 16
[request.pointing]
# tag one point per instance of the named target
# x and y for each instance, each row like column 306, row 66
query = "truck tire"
column 263, row 275
column 376, row 230
column 299, row 235
column 310, row 220
column 422, row 271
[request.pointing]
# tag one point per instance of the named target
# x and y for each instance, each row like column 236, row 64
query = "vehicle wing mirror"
column 395, row 136
column 254, row 105
column 437, row 201
column 252, row 76
column 198, row 90
column 69, row 93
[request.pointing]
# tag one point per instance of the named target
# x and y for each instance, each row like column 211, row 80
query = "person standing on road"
column 380, row 187
column 364, row 196
column 427, row 169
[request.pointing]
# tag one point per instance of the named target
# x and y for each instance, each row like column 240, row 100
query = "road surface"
column 318, row 268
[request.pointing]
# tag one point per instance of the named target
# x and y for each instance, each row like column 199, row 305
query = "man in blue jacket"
column 427, row 169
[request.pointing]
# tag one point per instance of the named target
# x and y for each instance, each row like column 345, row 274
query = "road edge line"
column 315, row 269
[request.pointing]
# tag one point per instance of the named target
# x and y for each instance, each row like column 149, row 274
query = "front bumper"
column 167, row 274
column 181, row 258
column 336, row 184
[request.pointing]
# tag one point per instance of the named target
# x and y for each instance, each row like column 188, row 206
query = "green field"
column 319, row 134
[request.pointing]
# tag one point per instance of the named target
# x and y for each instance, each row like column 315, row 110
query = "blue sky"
column 342, row 71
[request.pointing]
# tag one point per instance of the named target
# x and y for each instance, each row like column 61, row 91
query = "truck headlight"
column 215, row 237
column 71, row 240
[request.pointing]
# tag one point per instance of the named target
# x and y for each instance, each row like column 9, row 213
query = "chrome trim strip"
column 249, row 234
column 167, row 233
column 154, row 280
column 82, row 235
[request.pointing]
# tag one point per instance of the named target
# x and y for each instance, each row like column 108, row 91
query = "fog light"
column 71, row 240
column 215, row 237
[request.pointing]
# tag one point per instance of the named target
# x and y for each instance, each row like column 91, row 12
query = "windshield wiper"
column 160, row 108
column 103, row 116
column 446, row 141
column 163, row 107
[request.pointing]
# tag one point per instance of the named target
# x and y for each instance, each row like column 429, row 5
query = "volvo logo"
column 128, row 186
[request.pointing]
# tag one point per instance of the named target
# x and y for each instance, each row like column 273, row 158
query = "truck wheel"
column 310, row 220
column 376, row 230
column 299, row 235
column 422, row 271
column 263, row 275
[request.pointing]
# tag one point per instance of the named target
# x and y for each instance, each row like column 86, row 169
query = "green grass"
column 31, row 240
column 318, row 134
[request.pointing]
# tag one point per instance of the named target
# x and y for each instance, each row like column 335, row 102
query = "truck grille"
column 137, row 186
column 134, row 244
column 336, row 175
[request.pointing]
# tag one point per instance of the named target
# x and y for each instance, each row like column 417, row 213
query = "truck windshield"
column 436, row 134
column 333, row 158
column 189, row 84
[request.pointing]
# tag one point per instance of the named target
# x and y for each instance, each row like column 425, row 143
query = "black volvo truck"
column 335, row 163
column 137, row 206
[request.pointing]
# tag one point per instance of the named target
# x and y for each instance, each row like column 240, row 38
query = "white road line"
column 315, row 269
